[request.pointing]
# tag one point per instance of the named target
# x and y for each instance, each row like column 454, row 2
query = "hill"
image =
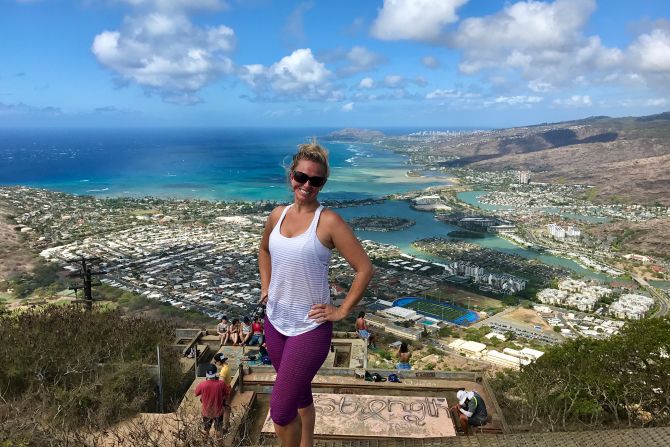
column 627, row 159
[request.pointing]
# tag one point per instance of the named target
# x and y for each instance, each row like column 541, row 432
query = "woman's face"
column 306, row 192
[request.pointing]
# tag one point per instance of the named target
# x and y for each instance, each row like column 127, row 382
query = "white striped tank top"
column 299, row 278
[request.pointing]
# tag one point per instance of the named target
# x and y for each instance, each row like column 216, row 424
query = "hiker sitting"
column 245, row 331
column 222, row 331
column 234, row 331
column 470, row 410
column 257, row 332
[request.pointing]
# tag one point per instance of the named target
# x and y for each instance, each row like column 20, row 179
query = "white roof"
column 400, row 312
column 504, row 357
column 466, row 345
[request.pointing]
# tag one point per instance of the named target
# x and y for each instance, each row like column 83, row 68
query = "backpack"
column 378, row 378
column 394, row 378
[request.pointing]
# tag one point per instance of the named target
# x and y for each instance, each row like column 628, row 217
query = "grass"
column 436, row 310
column 465, row 298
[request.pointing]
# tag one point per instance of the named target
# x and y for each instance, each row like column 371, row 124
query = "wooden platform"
column 367, row 416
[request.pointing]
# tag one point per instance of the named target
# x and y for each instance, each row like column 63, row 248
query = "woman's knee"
column 282, row 412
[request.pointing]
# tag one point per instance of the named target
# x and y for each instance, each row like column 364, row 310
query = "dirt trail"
column 15, row 257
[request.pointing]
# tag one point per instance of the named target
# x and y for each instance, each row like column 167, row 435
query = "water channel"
column 427, row 226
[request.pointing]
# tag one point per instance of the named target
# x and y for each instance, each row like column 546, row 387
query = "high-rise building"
column 524, row 177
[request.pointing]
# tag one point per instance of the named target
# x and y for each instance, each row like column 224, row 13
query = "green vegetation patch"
column 621, row 381
column 435, row 310
column 67, row 369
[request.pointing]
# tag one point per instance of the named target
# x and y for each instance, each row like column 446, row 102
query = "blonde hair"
column 313, row 152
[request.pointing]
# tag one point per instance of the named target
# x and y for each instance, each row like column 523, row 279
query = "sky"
column 358, row 63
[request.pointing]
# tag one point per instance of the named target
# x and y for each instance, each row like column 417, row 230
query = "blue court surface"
column 440, row 311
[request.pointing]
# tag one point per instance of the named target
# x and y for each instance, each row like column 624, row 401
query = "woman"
column 362, row 330
column 403, row 357
column 245, row 331
column 222, row 331
column 293, row 263
column 234, row 331
column 257, row 330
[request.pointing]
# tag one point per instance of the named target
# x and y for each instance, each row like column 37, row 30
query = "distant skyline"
column 382, row 63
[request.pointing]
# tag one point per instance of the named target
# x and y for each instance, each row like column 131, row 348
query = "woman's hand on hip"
column 325, row 312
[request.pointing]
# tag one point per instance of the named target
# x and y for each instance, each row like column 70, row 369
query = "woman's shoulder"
column 278, row 210
column 331, row 218
column 276, row 213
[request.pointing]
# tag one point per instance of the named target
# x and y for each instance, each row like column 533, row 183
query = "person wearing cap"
column 213, row 395
column 221, row 362
column 470, row 410
column 224, row 369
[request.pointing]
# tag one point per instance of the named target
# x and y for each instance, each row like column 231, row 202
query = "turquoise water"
column 660, row 284
column 472, row 198
column 427, row 226
column 225, row 164
column 214, row 164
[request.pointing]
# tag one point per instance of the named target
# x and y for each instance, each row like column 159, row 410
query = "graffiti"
column 413, row 411
column 378, row 416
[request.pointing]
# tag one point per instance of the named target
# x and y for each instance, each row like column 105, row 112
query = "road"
column 659, row 295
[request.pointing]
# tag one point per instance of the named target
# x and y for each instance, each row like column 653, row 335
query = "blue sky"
column 432, row 63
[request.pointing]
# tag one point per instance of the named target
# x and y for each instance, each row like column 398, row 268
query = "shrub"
column 68, row 368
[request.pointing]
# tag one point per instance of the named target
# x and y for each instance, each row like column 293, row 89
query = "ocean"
column 223, row 164
column 214, row 164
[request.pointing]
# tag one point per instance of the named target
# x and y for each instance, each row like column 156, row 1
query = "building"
column 631, row 306
column 469, row 348
column 397, row 313
column 523, row 177
column 558, row 232
column 504, row 360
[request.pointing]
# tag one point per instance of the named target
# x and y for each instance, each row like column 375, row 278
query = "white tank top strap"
column 281, row 218
column 315, row 220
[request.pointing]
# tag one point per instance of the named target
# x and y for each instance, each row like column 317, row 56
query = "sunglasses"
column 315, row 181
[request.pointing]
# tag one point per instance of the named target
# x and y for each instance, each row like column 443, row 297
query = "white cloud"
column 394, row 81
column 514, row 100
column 366, row 83
column 420, row 81
column 441, row 94
column 543, row 41
column 414, row 19
column 360, row 59
column 539, row 86
column 298, row 75
column 25, row 109
column 651, row 52
column 430, row 62
column 657, row 102
column 162, row 51
column 574, row 101
column 348, row 107
column 297, row 70
column 177, row 5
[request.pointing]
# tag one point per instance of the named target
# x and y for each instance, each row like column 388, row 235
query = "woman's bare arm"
column 264, row 262
column 345, row 241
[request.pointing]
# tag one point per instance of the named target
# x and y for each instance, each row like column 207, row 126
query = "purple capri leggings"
column 296, row 359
